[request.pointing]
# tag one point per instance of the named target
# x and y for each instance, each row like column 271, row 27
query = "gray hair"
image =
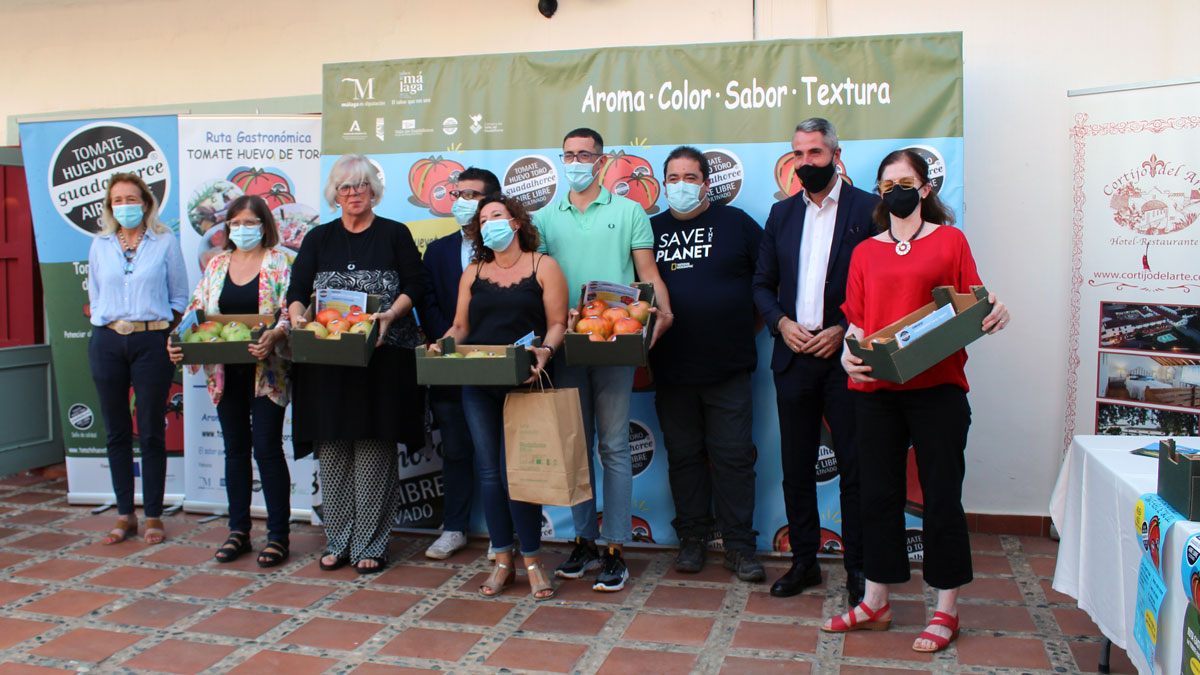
column 353, row 168
column 822, row 125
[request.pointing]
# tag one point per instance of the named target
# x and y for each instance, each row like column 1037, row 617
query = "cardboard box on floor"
column 1179, row 479
column 889, row 361
column 509, row 367
column 351, row 349
column 195, row 353
column 626, row 350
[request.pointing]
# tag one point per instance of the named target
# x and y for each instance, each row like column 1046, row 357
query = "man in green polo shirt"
column 598, row 236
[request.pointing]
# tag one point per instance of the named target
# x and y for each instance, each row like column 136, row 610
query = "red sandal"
column 939, row 619
column 873, row 622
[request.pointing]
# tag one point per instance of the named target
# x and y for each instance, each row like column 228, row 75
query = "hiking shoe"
column 745, row 565
column 585, row 557
column 613, row 572
column 448, row 544
column 691, row 556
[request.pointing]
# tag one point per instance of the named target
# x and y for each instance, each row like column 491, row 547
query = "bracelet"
column 551, row 348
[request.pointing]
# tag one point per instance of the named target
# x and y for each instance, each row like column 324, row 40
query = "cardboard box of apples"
column 337, row 338
column 219, row 338
column 479, row 365
column 610, row 332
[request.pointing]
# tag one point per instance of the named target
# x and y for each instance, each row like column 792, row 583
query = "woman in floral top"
column 251, row 277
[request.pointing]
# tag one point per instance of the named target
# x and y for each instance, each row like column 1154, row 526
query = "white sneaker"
column 446, row 545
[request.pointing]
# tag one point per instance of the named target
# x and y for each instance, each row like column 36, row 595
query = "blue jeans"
column 484, row 408
column 253, row 422
column 458, row 463
column 138, row 359
column 604, row 395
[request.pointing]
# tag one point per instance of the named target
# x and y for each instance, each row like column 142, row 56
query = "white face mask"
column 579, row 175
column 683, row 197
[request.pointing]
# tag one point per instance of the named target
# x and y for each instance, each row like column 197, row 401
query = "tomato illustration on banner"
column 632, row 177
column 269, row 183
column 789, row 183
column 431, row 179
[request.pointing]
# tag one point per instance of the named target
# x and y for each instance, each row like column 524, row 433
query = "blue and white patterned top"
column 155, row 288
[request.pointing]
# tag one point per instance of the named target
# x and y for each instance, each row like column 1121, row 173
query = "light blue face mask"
column 128, row 215
column 497, row 234
column 246, row 237
column 464, row 210
column 683, row 197
column 579, row 175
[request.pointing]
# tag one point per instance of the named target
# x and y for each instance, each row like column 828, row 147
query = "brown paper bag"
column 544, row 447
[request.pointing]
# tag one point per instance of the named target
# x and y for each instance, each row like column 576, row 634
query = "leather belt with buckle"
column 123, row 327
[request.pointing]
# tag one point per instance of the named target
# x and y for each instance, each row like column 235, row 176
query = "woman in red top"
column 891, row 275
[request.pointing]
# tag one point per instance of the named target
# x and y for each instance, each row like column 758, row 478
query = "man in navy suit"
column 444, row 261
column 799, row 286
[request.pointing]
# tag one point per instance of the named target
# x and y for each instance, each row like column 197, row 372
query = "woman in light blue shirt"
column 137, row 289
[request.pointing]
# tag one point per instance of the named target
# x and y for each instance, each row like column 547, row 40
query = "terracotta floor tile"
column 568, row 620
column 876, row 670
column 681, row 597
column 625, row 661
column 31, row 497
column 132, row 577
column 57, row 569
column 70, row 602
column 10, row 591
column 313, row 571
column 10, row 559
column 580, row 590
column 981, row 650
column 211, row 586
column 713, row 572
column 425, row 643
column 15, row 631
column 805, row 605
column 412, row 576
column 990, row 563
column 299, row 543
column 325, row 633
column 776, row 637
column 6, row 532
column 384, row 669
column 740, row 665
column 24, row 479
column 1039, row 546
column 992, row 589
column 121, row 550
column 10, row 668
column 679, row 630
column 473, row 612
column 180, row 656
column 214, row 536
column 466, row 556
column 995, row 618
column 286, row 594
column 520, row 654
column 87, row 644
column 1053, row 595
column 910, row 613
column 101, row 522
column 152, row 613
column 241, row 623
column 986, row 542
column 1075, row 622
column 377, row 603
column 1043, row 566
column 46, row 541
column 1087, row 658
column 175, row 554
column 889, row 644
column 41, row 517
column 281, row 662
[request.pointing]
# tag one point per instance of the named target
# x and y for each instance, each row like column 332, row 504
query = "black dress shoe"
column 798, row 578
column 856, row 586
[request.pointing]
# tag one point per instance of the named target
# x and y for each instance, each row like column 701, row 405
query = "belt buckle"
column 123, row 327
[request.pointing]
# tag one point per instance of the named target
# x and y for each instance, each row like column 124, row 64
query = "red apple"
column 614, row 313
column 356, row 317
column 595, row 308
column 595, row 337
column 626, row 325
column 338, row 326
column 209, row 327
column 594, row 324
column 327, row 315
column 640, row 310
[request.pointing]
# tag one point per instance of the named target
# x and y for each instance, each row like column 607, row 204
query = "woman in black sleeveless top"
column 509, row 291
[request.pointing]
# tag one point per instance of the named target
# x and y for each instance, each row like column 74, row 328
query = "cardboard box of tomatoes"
column 219, row 338
column 613, row 327
column 910, row 346
column 480, row 365
column 340, row 331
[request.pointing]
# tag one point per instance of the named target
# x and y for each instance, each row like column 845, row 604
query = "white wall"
column 1020, row 60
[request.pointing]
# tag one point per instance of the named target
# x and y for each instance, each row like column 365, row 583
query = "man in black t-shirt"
column 706, row 254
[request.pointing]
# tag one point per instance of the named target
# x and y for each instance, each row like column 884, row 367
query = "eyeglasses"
column 585, row 157
column 245, row 223
column 353, row 188
column 906, row 183
column 466, row 194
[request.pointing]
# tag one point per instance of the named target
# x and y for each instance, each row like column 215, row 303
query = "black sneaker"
column 613, row 572
column 585, row 557
column 691, row 556
column 745, row 565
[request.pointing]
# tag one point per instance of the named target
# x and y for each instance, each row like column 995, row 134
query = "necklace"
column 350, row 256
column 130, row 252
column 497, row 261
column 903, row 247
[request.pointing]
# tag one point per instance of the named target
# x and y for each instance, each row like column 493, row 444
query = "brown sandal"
column 155, row 533
column 500, row 579
column 539, row 583
column 125, row 528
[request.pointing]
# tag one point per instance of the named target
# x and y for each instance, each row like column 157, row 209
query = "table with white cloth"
column 1099, row 553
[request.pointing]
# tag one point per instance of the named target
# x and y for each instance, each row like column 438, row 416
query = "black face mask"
column 815, row 178
column 900, row 202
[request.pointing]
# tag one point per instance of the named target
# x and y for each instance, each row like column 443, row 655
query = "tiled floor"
column 69, row 605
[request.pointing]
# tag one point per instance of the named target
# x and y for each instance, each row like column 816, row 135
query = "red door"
column 20, row 282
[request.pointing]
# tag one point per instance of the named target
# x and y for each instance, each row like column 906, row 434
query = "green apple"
column 239, row 336
column 233, row 327
column 316, row 328
column 202, row 336
column 363, row 327
column 476, row 355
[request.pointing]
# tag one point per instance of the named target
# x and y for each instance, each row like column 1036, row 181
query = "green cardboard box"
column 1179, row 479
column 221, row 352
column 351, row 349
column 889, row 361
column 625, row 350
column 509, row 367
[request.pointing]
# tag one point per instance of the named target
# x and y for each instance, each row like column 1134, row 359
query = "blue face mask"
column 246, row 237
column 683, row 197
column 464, row 210
column 579, row 175
column 128, row 215
column 497, row 234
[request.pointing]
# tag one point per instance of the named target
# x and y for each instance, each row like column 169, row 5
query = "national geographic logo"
column 641, row 446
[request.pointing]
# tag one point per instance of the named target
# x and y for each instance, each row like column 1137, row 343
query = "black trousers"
column 936, row 420
column 808, row 390
column 710, row 452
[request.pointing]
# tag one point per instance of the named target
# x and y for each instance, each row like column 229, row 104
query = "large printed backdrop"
column 425, row 120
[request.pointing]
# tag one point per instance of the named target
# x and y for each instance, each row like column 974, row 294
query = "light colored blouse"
column 153, row 290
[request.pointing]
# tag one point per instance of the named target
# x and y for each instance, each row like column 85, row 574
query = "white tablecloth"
column 1099, row 554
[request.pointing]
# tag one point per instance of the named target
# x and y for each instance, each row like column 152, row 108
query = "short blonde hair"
column 353, row 168
column 108, row 222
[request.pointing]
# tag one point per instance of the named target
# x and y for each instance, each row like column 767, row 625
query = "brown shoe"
column 125, row 528
column 155, row 534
